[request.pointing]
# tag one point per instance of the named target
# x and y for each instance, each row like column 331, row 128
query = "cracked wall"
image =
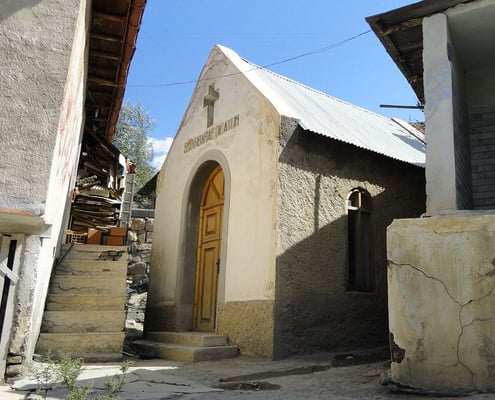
column 441, row 291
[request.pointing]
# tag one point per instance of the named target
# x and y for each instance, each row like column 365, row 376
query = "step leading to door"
column 198, row 339
column 186, row 346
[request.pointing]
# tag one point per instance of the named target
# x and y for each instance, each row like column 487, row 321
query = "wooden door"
column 208, row 262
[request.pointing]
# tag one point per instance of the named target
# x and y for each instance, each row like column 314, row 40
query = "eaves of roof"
column 401, row 33
column 113, row 33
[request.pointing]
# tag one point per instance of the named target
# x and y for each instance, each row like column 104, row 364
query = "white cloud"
column 161, row 145
column 157, row 162
column 160, row 151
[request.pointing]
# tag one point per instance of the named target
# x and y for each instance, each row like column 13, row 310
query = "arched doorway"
column 208, row 254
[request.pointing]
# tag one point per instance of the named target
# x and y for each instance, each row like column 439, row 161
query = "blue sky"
column 176, row 37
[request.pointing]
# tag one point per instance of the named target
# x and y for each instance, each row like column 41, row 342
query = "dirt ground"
column 325, row 376
column 321, row 376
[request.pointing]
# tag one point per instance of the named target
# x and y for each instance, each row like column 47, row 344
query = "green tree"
column 132, row 136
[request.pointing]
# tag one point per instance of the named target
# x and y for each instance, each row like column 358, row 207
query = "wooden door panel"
column 209, row 241
column 211, row 226
column 208, row 286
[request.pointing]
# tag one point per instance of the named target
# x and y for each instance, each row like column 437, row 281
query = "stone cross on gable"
column 209, row 103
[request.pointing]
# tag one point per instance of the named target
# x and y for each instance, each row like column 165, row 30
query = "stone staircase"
column 186, row 346
column 85, row 308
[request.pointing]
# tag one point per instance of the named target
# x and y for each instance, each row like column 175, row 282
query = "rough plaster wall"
column 313, row 310
column 33, row 70
column 248, row 156
column 440, row 153
column 64, row 162
column 249, row 325
column 41, row 118
column 24, row 299
column 442, row 297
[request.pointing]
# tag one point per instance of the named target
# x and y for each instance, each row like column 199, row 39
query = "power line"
column 309, row 53
column 320, row 50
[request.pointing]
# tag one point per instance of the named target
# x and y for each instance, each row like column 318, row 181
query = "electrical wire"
column 255, row 67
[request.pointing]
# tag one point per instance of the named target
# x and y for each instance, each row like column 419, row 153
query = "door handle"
column 218, row 266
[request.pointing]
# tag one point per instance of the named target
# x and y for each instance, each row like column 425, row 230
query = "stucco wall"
column 247, row 153
column 438, row 85
column 42, row 75
column 313, row 309
column 249, row 325
column 441, row 301
column 33, row 72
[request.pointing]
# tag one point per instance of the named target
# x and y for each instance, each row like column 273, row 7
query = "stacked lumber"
column 91, row 211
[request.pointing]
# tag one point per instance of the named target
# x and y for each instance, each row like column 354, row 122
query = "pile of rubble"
column 139, row 242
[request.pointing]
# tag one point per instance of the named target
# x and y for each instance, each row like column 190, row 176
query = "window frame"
column 360, row 239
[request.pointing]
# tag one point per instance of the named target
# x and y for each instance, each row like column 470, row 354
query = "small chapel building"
column 271, row 214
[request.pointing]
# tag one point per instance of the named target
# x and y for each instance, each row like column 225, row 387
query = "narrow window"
column 361, row 269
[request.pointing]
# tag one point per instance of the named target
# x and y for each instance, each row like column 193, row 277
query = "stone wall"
column 139, row 242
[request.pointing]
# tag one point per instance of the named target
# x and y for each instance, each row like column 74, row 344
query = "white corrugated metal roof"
column 334, row 118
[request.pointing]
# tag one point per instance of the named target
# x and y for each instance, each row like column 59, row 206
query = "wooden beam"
column 413, row 55
column 404, row 25
column 110, row 17
column 100, row 119
column 107, row 38
column 104, row 54
column 100, row 81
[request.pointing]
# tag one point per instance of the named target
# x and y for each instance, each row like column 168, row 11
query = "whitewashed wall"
column 248, row 156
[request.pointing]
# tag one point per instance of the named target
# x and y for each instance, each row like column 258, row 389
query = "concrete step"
column 92, row 268
column 82, row 285
column 80, row 343
column 83, row 321
column 198, row 339
column 93, row 252
column 178, row 352
column 92, row 302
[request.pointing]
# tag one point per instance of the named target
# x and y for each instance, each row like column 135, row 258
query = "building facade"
column 51, row 75
column 441, row 279
column 42, row 96
column 271, row 212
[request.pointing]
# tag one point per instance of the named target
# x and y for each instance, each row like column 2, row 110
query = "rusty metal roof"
column 401, row 32
column 114, row 28
column 335, row 118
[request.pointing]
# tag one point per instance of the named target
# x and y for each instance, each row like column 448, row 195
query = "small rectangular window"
column 361, row 271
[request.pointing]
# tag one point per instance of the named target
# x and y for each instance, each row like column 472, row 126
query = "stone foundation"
column 441, row 282
column 248, row 324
